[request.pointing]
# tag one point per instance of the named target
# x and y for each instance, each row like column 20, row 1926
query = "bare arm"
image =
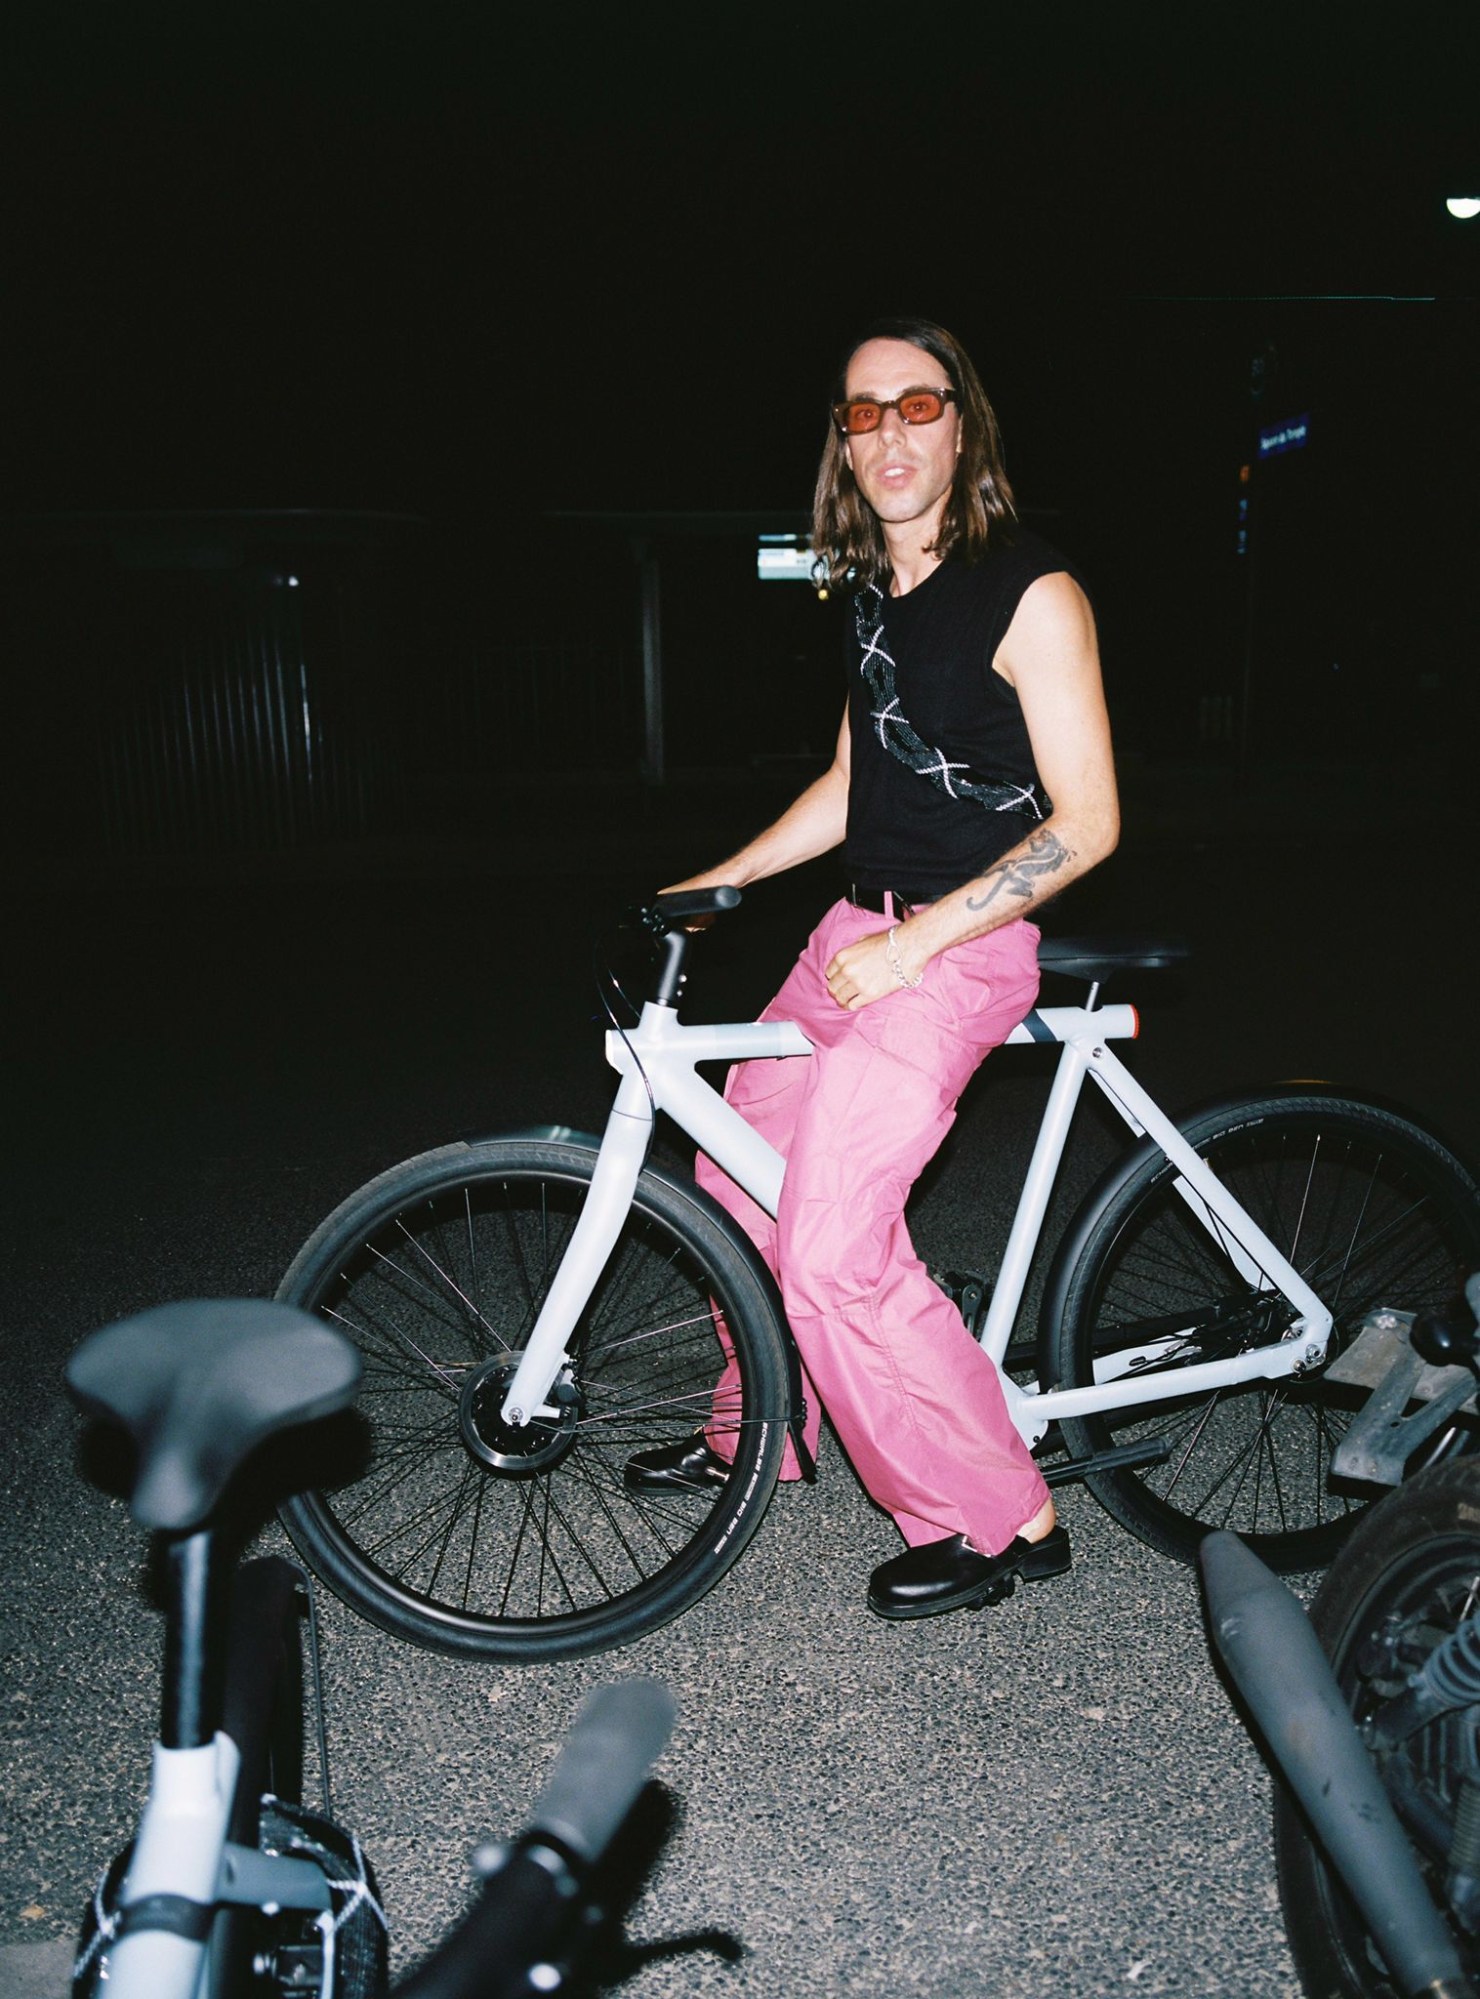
column 812, row 825
column 1051, row 657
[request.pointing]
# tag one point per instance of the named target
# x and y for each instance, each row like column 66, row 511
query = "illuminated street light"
column 1463, row 207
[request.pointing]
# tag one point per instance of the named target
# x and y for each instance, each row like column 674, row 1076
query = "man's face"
column 904, row 470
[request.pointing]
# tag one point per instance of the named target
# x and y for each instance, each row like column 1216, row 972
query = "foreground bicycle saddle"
column 229, row 1869
column 199, row 1384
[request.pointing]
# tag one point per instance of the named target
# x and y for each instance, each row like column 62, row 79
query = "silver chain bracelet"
column 896, row 964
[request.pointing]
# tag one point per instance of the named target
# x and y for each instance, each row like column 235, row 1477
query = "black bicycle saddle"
column 1097, row 957
column 199, row 1384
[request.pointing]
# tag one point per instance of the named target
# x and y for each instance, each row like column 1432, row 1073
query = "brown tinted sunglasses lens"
column 922, row 406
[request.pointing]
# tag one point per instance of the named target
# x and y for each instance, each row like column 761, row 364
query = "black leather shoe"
column 951, row 1575
column 684, row 1467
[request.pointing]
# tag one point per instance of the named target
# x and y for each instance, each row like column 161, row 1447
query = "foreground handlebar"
column 617, row 1737
column 1449, row 1335
column 537, row 1906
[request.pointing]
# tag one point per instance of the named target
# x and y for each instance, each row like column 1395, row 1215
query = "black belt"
column 886, row 901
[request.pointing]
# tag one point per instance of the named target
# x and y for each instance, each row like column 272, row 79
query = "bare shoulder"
column 1052, row 628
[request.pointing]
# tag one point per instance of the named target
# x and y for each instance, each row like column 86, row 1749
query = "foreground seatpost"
column 190, row 1701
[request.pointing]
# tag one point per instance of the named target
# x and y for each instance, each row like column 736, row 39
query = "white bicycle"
column 532, row 1309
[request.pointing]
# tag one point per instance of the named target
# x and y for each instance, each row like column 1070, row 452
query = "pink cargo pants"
column 914, row 1400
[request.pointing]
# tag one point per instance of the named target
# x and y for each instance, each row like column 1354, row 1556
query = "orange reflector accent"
column 1136, row 1030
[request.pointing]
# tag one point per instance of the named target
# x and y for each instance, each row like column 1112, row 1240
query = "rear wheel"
column 1364, row 1203
column 1407, row 1580
column 454, row 1530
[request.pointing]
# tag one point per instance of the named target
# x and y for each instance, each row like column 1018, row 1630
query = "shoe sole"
column 981, row 1595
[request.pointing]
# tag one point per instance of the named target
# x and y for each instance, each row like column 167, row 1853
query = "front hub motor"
column 540, row 1444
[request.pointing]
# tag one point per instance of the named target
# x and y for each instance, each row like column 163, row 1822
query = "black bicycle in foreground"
column 1371, row 1707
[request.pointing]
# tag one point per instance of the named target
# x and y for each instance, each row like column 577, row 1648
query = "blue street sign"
column 1291, row 435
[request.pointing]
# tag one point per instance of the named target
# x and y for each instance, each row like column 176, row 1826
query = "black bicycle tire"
column 1399, row 1549
column 489, row 1177
column 1258, row 1137
column 263, row 1713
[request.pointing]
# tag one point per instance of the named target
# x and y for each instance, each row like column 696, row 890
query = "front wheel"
column 1365, row 1204
column 1407, row 1580
column 463, row 1535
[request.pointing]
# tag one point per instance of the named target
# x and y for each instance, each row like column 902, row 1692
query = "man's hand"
column 861, row 972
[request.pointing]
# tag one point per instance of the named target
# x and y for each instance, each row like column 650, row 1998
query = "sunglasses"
column 861, row 414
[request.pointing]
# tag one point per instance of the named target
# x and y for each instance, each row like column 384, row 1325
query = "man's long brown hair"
column 846, row 534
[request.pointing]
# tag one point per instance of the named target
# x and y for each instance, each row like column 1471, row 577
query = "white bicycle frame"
column 181, row 1852
column 657, row 1062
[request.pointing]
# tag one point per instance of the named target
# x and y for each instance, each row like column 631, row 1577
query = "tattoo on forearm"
column 1022, row 875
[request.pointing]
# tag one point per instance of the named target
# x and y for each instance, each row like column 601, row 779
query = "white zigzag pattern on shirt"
column 898, row 737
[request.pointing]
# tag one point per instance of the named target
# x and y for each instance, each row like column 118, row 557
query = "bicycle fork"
column 608, row 1202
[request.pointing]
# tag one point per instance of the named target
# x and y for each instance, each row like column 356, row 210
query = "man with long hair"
column 973, row 780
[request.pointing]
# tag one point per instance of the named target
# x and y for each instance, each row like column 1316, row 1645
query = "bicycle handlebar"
column 1276, row 1661
column 1449, row 1334
column 692, row 902
column 671, row 918
column 537, row 1906
column 618, row 1735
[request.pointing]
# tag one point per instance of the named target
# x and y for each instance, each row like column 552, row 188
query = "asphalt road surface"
column 1052, row 1799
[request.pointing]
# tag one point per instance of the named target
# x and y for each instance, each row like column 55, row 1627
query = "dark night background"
column 321, row 758
column 474, row 268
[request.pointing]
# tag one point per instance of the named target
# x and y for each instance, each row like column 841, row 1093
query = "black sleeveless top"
column 942, row 777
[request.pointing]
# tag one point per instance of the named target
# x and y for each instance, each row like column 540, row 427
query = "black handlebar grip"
column 617, row 1736
column 692, row 902
column 527, row 1913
